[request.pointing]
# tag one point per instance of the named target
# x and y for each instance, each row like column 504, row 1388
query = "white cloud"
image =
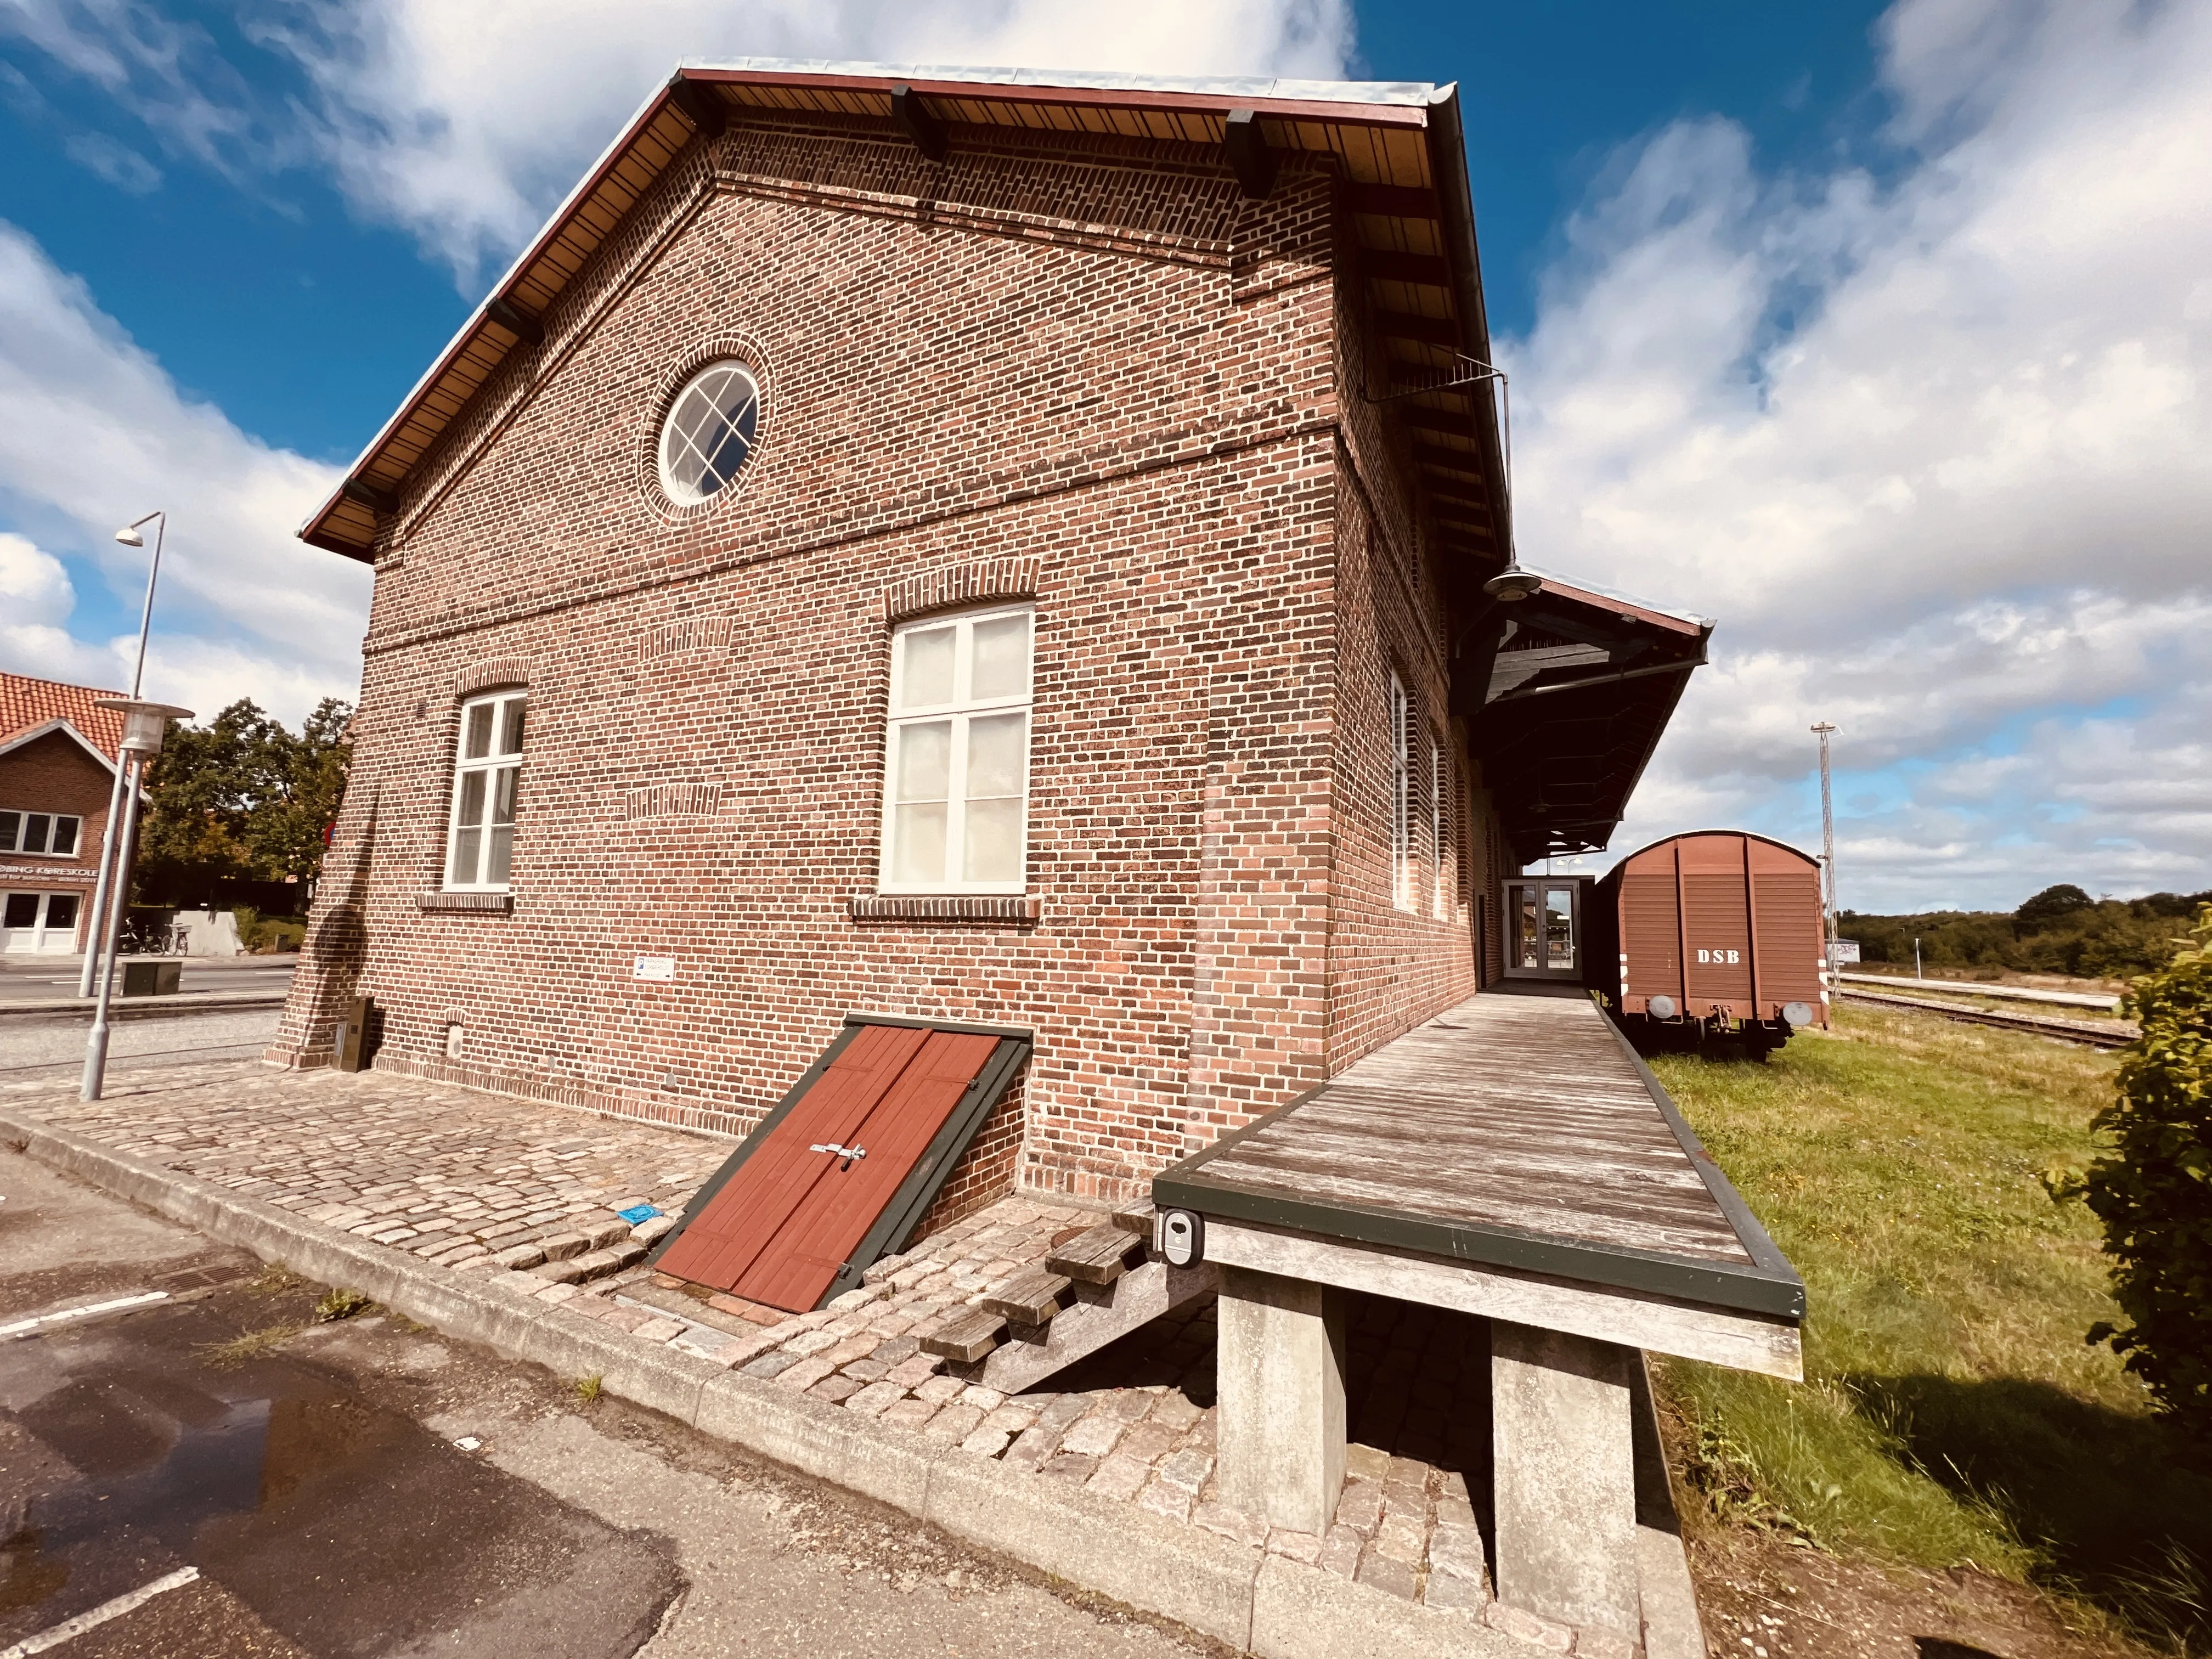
column 93, row 434
column 1932, row 448
column 463, row 124
column 36, row 598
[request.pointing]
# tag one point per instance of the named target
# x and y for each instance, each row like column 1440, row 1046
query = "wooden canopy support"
column 915, row 120
column 1249, row 158
column 515, row 320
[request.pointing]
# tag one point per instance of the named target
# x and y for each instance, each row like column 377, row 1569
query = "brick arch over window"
column 960, row 584
column 495, row 674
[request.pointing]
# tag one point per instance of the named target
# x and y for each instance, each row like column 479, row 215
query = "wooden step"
column 967, row 1338
column 1028, row 1297
column 1136, row 1217
column 1097, row 1256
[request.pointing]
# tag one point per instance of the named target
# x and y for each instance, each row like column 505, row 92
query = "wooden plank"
column 1136, row 1217
column 1141, row 1296
column 968, row 1338
column 1096, row 1257
column 1031, row 1297
column 1740, row 1342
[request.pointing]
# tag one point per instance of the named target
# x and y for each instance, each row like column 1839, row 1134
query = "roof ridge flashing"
column 1411, row 92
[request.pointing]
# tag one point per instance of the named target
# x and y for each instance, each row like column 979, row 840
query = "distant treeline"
column 2062, row 930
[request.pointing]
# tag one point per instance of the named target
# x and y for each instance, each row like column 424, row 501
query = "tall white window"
column 955, row 782
column 1440, row 895
column 1401, row 797
column 480, row 844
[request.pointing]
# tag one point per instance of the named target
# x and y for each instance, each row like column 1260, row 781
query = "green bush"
column 2153, row 1192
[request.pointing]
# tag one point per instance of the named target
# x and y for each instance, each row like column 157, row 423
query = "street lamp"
column 1824, row 730
column 144, row 724
column 97, row 930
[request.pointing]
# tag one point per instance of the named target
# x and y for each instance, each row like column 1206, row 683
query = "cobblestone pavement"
column 484, row 1182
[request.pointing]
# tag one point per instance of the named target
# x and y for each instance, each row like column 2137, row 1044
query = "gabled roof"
column 30, row 708
column 1398, row 147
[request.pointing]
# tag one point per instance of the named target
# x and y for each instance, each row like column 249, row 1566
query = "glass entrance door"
column 1543, row 919
column 38, row 923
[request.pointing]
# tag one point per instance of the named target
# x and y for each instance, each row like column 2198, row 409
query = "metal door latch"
column 846, row 1153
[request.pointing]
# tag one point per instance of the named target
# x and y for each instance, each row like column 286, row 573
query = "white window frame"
column 960, row 711
column 22, row 815
column 491, row 765
column 1401, row 790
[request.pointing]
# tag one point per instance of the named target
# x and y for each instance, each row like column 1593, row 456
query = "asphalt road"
column 362, row 1487
column 48, row 1046
column 35, row 979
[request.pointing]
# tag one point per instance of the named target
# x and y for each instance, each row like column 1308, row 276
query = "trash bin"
column 150, row 976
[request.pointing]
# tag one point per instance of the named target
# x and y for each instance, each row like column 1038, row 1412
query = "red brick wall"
column 1101, row 377
column 53, row 774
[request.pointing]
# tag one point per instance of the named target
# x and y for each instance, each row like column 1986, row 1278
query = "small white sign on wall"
column 663, row 967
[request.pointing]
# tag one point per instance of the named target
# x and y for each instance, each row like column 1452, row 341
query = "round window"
column 709, row 431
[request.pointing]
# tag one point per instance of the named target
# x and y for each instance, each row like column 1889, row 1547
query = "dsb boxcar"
column 1713, row 934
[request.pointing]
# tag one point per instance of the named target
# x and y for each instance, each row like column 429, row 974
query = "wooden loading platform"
column 1513, row 1159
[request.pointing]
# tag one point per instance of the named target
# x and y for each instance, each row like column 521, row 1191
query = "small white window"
column 709, row 431
column 956, row 765
column 487, row 770
column 1401, row 790
column 44, row 835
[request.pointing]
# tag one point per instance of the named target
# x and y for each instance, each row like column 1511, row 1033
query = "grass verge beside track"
column 1952, row 1413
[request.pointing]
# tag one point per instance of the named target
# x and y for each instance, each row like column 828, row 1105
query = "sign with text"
column 660, row 968
column 1847, row 950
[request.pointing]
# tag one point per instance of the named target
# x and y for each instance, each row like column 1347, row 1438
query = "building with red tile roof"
column 58, row 756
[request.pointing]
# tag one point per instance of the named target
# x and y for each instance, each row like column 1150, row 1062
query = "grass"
column 1952, row 1412
column 253, row 1344
column 588, row 1390
column 341, row 1305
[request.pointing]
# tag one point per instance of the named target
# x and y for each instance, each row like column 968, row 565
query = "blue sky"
column 1808, row 328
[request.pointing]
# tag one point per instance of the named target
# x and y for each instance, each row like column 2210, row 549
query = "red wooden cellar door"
column 810, row 1186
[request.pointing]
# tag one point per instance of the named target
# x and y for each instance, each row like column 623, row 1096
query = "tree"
column 242, row 798
column 2049, row 905
column 2154, row 1191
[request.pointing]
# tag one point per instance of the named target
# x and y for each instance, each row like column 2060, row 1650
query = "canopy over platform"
column 1565, row 694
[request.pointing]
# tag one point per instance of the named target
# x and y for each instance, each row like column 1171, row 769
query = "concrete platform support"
column 1566, row 1477
column 1280, row 1382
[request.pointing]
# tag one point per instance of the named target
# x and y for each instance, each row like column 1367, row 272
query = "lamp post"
column 144, row 725
column 96, row 930
column 1822, row 730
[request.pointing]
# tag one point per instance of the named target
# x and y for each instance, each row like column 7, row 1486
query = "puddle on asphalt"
column 159, row 1458
column 348, row 1527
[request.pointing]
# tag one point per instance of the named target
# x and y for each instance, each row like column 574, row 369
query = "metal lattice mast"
column 1827, row 848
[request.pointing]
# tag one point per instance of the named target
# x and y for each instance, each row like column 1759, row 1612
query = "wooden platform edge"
column 1750, row 1233
column 1770, row 1346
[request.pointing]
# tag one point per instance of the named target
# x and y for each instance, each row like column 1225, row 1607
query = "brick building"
column 1007, row 549
column 58, row 758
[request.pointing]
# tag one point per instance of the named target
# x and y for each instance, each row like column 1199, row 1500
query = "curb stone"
column 1267, row 1604
column 185, row 1002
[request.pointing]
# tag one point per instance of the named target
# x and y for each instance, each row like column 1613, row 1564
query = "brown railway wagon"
column 1712, row 935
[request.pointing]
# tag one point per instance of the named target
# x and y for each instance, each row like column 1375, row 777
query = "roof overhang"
column 1397, row 145
column 1566, row 694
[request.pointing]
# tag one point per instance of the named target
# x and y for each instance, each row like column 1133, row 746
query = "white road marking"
column 23, row 1327
column 56, row 1635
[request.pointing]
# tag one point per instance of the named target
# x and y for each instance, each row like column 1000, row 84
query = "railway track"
column 2098, row 1035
